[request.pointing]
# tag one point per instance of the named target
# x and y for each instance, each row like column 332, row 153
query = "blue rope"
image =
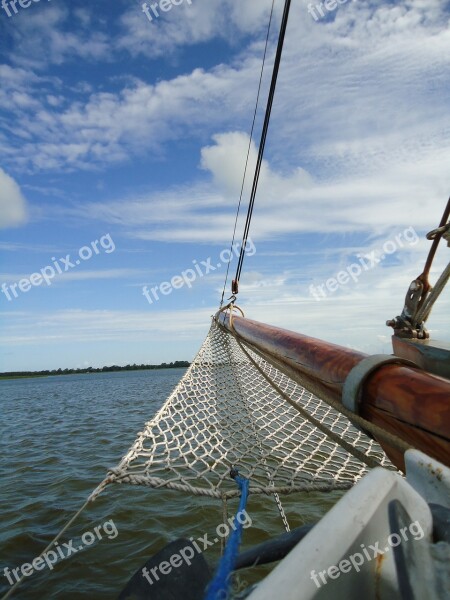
column 219, row 587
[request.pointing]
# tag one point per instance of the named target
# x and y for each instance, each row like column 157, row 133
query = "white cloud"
column 187, row 25
column 13, row 206
column 77, row 325
column 225, row 160
column 111, row 127
column 94, row 275
column 363, row 94
column 44, row 37
column 284, row 301
column 358, row 143
column 287, row 203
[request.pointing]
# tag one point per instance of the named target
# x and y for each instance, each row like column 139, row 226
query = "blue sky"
column 133, row 133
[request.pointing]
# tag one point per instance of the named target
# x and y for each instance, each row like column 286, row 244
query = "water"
column 58, row 437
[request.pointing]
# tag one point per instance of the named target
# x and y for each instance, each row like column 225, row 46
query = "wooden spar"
column 407, row 402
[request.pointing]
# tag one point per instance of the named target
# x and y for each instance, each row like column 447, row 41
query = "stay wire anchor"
column 421, row 296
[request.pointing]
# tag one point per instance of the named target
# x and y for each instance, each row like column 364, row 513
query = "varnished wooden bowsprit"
column 408, row 402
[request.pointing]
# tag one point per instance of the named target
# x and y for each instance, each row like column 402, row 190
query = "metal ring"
column 360, row 372
column 439, row 231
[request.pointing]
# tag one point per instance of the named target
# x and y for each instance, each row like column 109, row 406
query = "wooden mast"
column 407, row 402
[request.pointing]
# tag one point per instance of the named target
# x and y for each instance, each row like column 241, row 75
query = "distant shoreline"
column 114, row 369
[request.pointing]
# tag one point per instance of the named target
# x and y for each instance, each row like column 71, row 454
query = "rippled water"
column 58, row 437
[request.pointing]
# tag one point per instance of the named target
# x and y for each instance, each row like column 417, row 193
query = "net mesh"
column 225, row 412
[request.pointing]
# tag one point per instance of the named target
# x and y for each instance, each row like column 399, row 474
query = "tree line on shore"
column 173, row 365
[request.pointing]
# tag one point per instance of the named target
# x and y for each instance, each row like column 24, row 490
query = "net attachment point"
column 234, row 472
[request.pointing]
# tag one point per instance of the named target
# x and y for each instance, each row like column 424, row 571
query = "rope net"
column 224, row 412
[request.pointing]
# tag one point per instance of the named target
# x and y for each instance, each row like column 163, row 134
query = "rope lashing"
column 219, row 587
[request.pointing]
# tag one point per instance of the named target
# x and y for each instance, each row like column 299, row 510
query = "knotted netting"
column 226, row 411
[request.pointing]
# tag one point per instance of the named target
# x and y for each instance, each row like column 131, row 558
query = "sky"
column 123, row 138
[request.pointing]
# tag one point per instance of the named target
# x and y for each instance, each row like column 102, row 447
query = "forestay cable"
column 248, row 150
column 273, row 85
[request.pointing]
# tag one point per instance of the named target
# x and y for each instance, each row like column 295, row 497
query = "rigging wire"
column 248, row 149
column 436, row 236
column 282, row 34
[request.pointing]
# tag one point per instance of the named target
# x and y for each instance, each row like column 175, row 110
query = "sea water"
column 58, row 437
